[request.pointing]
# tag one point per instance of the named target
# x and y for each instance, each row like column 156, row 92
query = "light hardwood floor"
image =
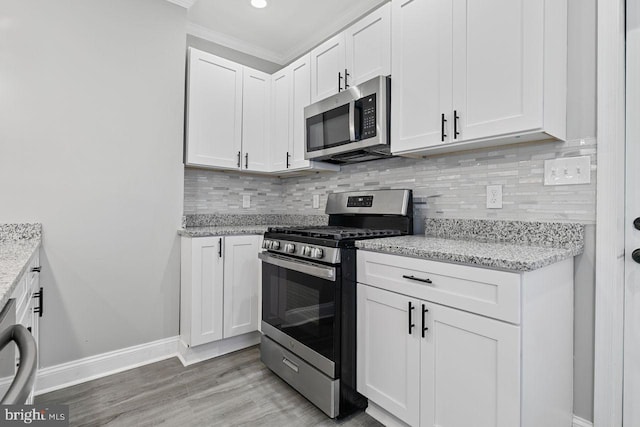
column 233, row 390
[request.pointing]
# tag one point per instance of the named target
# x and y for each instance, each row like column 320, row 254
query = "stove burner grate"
column 333, row 232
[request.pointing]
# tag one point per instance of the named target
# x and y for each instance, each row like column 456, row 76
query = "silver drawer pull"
column 417, row 279
column 290, row 364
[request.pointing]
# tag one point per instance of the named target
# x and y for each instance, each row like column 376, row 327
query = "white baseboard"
column 389, row 420
column 102, row 365
column 580, row 422
column 190, row 355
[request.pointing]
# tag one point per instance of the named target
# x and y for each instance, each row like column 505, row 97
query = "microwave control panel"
column 367, row 107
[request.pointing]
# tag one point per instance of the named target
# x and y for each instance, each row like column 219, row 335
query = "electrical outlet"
column 316, row 201
column 246, row 201
column 494, row 196
column 567, row 171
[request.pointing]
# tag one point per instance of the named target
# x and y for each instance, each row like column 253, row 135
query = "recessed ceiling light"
column 259, row 3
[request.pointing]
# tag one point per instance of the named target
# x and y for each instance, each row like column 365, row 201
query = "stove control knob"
column 306, row 251
column 316, row 253
column 290, row 248
column 275, row 245
column 266, row 244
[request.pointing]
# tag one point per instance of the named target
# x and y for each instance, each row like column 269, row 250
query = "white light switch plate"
column 246, row 201
column 567, row 171
column 316, row 201
column 494, row 196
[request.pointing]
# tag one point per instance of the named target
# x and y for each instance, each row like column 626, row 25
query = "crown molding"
column 234, row 43
column 184, row 3
column 343, row 21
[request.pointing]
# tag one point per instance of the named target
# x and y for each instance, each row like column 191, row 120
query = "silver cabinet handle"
column 290, row 365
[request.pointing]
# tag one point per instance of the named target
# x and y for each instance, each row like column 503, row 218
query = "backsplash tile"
column 445, row 186
column 207, row 191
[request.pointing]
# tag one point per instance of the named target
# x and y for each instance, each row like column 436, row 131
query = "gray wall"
column 91, row 118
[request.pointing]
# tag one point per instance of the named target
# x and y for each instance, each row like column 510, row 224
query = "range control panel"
column 360, row 201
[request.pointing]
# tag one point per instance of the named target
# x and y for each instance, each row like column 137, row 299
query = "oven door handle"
column 315, row 270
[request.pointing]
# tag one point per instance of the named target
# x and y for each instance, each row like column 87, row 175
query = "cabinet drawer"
column 477, row 290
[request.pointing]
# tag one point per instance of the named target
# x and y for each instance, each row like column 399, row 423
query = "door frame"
column 610, row 207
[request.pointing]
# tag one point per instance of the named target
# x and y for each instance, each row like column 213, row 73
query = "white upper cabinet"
column 281, row 119
column 356, row 55
column 256, row 120
column 421, row 87
column 228, row 114
column 300, row 98
column 473, row 74
column 291, row 92
column 498, row 69
column 328, row 68
column 214, row 105
column 368, row 46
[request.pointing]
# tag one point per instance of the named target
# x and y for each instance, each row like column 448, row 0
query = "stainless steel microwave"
column 350, row 126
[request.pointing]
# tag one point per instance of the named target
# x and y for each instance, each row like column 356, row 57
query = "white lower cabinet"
column 219, row 288
column 422, row 363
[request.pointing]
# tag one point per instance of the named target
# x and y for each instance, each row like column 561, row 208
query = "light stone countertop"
column 223, row 230
column 14, row 260
column 207, row 225
column 496, row 255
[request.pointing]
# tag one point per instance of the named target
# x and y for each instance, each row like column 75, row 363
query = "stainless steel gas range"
column 309, row 295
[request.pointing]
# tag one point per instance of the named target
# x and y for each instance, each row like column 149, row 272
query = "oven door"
column 300, row 300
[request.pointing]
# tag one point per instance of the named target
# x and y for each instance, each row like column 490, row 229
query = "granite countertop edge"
column 13, row 268
column 494, row 255
column 222, row 230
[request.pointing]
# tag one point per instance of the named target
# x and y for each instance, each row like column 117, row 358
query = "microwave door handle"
column 352, row 121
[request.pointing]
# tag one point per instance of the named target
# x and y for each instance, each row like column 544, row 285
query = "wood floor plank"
column 232, row 390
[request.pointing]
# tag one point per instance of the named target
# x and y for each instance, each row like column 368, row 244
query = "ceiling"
column 280, row 32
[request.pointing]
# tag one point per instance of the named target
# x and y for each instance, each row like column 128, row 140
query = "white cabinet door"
column 470, row 370
column 388, row 355
column 206, row 289
column 368, row 46
column 281, row 119
column 327, row 68
column 214, row 105
column 300, row 98
column 241, row 281
column 498, row 67
column 422, row 71
column 256, row 120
